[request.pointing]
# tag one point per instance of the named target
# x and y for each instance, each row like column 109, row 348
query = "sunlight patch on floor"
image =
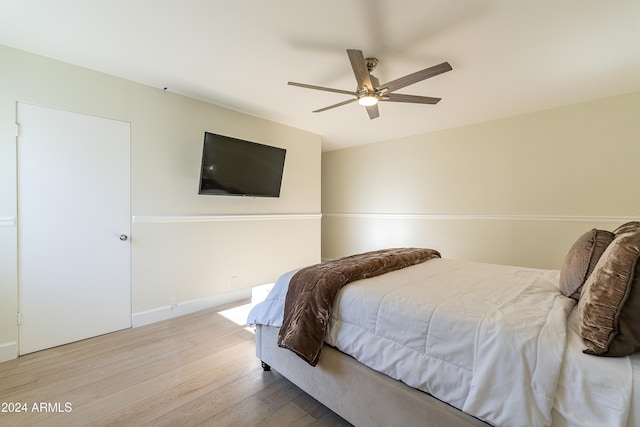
column 239, row 314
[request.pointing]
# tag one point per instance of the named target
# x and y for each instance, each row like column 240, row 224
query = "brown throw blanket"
column 313, row 289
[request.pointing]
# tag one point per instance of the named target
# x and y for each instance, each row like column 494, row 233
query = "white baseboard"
column 186, row 307
column 8, row 351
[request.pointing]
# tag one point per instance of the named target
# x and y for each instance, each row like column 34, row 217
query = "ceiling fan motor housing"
column 369, row 96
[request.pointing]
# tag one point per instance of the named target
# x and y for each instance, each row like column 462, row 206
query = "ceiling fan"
column 369, row 91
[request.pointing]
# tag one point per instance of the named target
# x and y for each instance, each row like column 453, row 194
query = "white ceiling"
column 509, row 57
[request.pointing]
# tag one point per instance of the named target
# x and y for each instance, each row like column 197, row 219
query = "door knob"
column 123, row 237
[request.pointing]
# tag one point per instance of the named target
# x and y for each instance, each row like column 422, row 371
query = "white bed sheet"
column 453, row 371
column 595, row 391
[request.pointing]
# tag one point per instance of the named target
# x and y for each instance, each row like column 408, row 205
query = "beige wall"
column 183, row 245
column 513, row 191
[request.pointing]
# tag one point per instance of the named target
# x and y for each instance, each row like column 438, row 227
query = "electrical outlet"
column 234, row 281
column 173, row 303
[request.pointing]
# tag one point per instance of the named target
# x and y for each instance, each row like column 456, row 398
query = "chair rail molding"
column 7, row 221
column 476, row 217
column 163, row 219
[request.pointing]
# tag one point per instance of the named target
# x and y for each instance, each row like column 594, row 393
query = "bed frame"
column 357, row 393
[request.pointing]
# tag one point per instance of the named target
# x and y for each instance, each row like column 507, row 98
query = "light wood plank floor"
column 197, row 369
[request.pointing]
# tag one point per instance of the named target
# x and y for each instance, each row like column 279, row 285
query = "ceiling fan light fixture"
column 368, row 100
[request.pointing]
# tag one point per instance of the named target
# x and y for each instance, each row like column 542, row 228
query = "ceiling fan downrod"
column 371, row 63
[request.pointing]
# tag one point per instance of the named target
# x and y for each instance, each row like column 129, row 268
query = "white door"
column 73, row 227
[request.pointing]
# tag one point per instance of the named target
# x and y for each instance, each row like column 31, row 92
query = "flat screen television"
column 235, row 167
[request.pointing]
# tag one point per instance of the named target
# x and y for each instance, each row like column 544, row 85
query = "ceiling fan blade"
column 398, row 97
column 360, row 68
column 416, row 77
column 326, row 89
column 373, row 112
column 339, row 104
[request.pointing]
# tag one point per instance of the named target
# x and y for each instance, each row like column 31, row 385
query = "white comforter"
column 487, row 339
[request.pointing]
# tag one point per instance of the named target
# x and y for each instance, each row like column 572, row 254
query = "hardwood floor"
column 197, row 369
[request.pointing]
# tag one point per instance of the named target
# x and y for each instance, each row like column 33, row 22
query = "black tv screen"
column 235, row 167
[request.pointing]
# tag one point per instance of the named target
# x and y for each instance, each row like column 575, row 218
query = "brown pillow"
column 581, row 260
column 628, row 227
column 610, row 304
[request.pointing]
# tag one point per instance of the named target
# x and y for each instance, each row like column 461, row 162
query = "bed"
column 457, row 343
